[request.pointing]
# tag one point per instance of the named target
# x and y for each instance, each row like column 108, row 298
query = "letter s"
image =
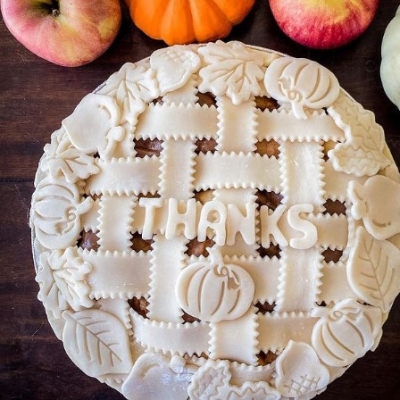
column 309, row 230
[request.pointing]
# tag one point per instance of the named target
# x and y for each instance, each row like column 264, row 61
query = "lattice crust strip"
column 332, row 230
column 134, row 282
column 303, row 185
column 234, row 136
column 275, row 331
column 318, row 126
column 160, row 121
column 90, row 219
column 187, row 94
column 299, row 294
column 227, row 338
column 237, row 126
column 115, row 217
column 171, row 337
column 114, row 274
column 265, row 274
column 302, row 174
column 336, row 182
column 177, row 160
column 236, row 170
column 167, row 263
column 334, row 284
column 135, row 176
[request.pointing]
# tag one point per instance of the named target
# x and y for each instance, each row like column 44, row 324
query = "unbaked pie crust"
column 217, row 221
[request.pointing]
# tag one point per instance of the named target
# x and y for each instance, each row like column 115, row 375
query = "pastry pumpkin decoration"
column 188, row 21
column 214, row 291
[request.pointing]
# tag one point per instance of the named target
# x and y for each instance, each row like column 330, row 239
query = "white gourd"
column 390, row 64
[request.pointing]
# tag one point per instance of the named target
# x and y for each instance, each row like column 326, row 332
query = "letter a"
column 213, row 216
column 177, row 218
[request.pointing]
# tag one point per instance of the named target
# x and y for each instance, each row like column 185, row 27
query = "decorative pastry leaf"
column 208, row 379
column 231, row 69
column 97, row 342
column 374, row 271
column 70, row 279
column 62, row 281
column 62, row 158
column 49, row 293
column 362, row 152
column 253, row 391
column 212, row 382
column 142, row 83
column 131, row 107
column 132, row 86
column 352, row 158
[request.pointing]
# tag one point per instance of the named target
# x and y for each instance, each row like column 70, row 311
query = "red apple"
column 65, row 32
column 323, row 24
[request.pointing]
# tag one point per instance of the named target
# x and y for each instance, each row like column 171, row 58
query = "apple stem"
column 55, row 8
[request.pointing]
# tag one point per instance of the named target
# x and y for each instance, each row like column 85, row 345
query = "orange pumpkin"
column 188, row 21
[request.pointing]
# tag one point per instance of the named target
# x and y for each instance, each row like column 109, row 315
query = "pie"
column 217, row 221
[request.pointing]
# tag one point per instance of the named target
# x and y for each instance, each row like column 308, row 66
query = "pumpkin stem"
column 298, row 110
column 85, row 206
column 216, row 256
column 320, row 312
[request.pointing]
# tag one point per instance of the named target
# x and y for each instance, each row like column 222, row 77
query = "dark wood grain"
column 36, row 95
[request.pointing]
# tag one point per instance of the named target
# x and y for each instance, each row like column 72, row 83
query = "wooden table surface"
column 36, row 95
